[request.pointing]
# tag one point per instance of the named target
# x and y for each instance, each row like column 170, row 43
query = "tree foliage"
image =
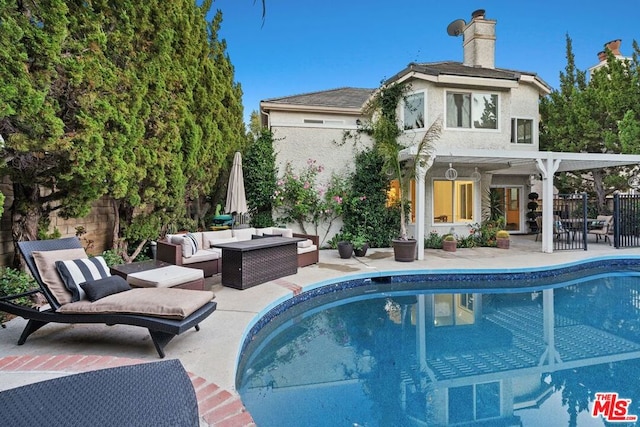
column 137, row 102
column 260, row 177
column 599, row 115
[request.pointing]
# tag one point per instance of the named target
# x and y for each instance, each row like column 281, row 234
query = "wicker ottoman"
column 172, row 276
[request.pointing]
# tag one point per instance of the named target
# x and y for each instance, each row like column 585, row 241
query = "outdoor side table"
column 252, row 262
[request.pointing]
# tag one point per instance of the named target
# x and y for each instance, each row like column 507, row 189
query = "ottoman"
column 173, row 276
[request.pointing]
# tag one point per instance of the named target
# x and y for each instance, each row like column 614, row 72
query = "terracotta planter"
column 405, row 250
column 502, row 243
column 449, row 245
column 362, row 251
column 345, row 249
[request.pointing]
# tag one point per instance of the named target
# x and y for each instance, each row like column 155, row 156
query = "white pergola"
column 545, row 163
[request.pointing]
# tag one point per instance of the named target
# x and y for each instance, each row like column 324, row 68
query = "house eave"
column 271, row 106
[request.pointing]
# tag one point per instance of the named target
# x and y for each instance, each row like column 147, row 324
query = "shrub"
column 13, row 282
column 111, row 257
column 449, row 238
column 433, row 241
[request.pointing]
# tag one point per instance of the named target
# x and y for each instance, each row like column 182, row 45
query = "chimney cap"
column 477, row 13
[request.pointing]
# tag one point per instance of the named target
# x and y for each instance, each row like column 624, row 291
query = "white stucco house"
column 489, row 136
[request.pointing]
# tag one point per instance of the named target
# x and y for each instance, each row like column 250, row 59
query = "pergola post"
column 547, row 167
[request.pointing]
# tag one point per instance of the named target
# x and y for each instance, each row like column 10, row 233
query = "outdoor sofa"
column 165, row 312
column 195, row 249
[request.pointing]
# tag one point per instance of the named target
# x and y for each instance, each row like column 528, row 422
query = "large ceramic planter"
column 502, row 243
column 362, row 251
column 449, row 245
column 404, row 250
column 345, row 249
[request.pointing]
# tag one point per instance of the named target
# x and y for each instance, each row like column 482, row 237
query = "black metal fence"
column 576, row 223
column 626, row 220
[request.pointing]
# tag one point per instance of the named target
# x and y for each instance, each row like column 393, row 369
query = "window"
column 474, row 402
column 472, row 110
column 453, row 201
column 522, row 131
column 393, row 196
column 413, row 111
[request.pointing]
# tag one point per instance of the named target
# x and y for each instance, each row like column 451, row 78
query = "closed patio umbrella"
column 236, row 199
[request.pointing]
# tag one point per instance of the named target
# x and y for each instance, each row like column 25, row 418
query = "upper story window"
column 521, row 131
column 475, row 110
column 413, row 111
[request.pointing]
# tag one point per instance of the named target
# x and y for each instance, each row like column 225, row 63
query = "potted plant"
column 449, row 243
column 385, row 128
column 360, row 244
column 345, row 245
column 502, row 239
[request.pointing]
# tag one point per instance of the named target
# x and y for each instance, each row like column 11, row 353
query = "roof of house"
column 355, row 98
column 345, row 97
column 453, row 68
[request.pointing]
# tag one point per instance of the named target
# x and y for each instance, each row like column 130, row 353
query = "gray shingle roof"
column 459, row 69
column 346, row 97
column 350, row 97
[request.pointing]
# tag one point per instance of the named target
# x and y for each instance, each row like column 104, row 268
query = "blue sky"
column 305, row 46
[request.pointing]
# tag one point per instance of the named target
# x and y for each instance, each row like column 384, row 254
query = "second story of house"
column 479, row 105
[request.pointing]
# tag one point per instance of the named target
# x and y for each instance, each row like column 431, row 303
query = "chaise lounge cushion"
column 78, row 271
column 97, row 289
column 46, row 263
column 169, row 303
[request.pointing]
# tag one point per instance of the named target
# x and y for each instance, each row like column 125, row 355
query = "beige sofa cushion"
column 243, row 233
column 311, row 248
column 170, row 303
column 187, row 248
column 220, row 235
column 46, row 263
column 200, row 256
column 305, row 243
column 221, row 241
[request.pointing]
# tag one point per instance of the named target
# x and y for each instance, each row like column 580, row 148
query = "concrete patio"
column 210, row 355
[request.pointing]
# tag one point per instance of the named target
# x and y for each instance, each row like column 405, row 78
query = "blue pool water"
column 519, row 348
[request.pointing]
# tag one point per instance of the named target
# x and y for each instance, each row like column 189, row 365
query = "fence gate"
column 569, row 222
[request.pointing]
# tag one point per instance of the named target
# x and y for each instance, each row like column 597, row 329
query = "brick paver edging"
column 217, row 407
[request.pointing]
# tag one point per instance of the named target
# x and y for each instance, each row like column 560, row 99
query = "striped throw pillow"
column 78, row 271
column 193, row 241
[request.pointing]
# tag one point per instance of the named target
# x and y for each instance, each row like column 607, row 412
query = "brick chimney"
column 613, row 46
column 479, row 43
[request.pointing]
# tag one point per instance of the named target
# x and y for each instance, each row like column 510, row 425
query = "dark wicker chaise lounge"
column 148, row 394
column 161, row 329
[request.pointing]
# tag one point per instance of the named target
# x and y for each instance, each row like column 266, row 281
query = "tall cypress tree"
column 134, row 100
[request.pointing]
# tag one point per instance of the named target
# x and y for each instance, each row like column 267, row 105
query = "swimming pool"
column 521, row 347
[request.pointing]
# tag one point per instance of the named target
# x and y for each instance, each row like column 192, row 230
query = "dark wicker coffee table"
column 252, row 262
